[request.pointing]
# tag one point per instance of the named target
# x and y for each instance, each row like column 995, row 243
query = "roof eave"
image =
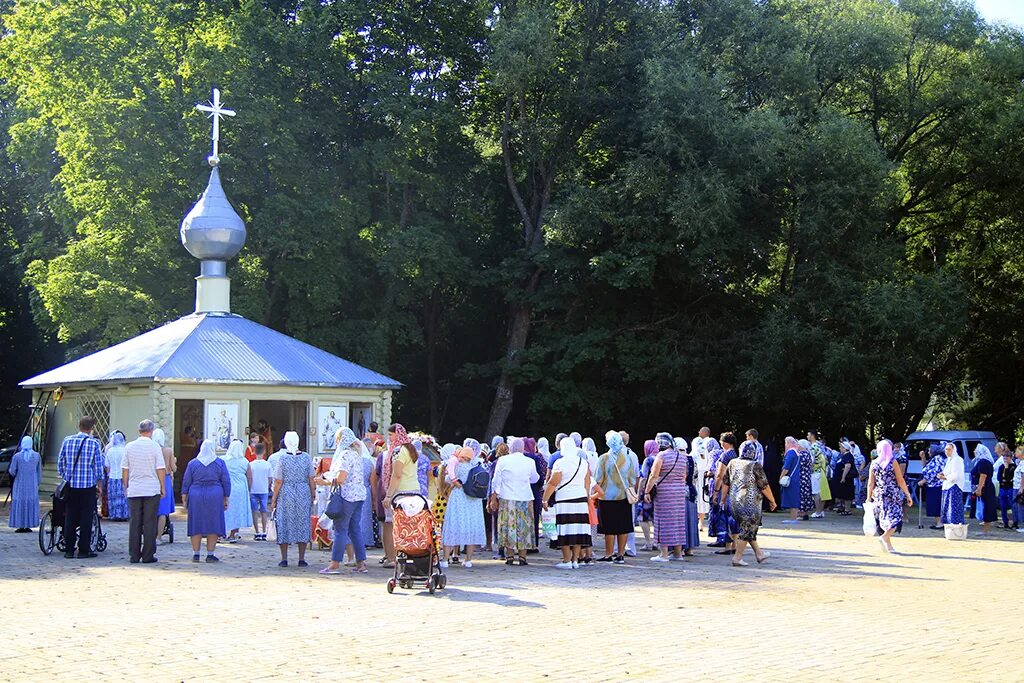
column 329, row 385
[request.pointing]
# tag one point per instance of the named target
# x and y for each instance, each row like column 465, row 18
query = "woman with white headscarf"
column 569, row 481
column 205, row 490
column 984, row 490
column 27, row 469
column 293, row 499
column 238, row 514
column 952, row 478
column 166, row 507
column 117, row 502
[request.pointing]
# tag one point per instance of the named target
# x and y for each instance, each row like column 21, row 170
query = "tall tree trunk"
column 518, row 332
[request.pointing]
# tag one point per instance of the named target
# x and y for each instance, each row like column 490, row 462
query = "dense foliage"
column 797, row 213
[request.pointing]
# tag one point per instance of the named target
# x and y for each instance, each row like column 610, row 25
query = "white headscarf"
column 568, row 447
column 291, row 442
column 681, row 444
column 235, row 450
column 543, row 448
column 159, row 437
column 207, row 452
column 983, row 453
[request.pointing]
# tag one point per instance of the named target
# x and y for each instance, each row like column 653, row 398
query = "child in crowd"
column 259, row 488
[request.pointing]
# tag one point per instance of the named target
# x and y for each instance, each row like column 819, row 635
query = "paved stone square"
column 828, row 606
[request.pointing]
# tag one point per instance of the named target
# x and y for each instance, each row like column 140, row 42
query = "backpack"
column 478, row 482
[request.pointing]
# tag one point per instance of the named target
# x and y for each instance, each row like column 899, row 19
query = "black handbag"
column 654, row 489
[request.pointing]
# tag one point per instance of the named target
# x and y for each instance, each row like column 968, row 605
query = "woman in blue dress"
column 205, row 489
column 239, row 512
column 791, row 469
column 27, row 469
column 931, row 484
column 464, row 516
column 952, row 478
column 117, row 503
column 293, row 499
column 888, row 490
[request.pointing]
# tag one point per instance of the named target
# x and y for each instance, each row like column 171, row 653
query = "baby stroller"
column 417, row 562
column 51, row 530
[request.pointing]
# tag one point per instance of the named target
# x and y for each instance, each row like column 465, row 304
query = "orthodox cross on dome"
column 214, row 109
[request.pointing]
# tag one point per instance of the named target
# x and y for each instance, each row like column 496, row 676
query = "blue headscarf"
column 615, row 443
column 472, row 444
column 26, row 449
column 495, row 441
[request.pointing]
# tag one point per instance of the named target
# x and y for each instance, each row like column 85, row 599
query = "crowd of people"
column 511, row 497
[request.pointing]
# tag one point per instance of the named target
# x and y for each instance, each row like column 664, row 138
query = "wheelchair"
column 51, row 531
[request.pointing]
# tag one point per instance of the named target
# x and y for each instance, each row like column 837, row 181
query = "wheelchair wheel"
column 97, row 536
column 47, row 535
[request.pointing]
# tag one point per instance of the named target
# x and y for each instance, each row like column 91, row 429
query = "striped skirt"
column 573, row 522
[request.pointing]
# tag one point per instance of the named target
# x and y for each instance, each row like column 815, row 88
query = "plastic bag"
column 870, row 523
column 547, row 522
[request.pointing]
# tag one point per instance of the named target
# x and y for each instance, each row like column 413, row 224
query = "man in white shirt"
column 142, row 472
column 259, row 488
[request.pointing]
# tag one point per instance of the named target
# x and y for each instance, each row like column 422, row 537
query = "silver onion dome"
column 212, row 230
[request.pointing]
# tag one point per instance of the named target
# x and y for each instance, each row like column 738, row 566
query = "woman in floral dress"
column 888, row 490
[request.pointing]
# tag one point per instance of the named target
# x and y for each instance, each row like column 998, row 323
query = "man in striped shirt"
column 80, row 464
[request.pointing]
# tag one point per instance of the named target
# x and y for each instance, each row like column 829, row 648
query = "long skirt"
column 117, row 503
column 671, row 515
column 206, row 511
column 616, row 517
column 515, row 524
column 166, row 506
column 573, row 521
column 933, row 501
column 953, row 506
column 692, row 525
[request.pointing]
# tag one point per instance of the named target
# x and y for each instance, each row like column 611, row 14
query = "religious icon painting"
column 330, row 418
column 221, row 423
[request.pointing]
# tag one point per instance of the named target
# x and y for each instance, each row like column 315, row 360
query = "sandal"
column 741, row 563
column 764, row 557
column 360, row 570
column 328, row 570
column 510, row 562
column 523, row 563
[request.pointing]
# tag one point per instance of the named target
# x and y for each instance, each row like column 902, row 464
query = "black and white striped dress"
column 571, row 516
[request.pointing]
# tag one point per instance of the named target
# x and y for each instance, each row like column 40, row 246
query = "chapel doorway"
column 362, row 416
column 281, row 417
column 188, row 429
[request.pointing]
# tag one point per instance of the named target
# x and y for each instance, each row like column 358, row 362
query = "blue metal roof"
column 214, row 348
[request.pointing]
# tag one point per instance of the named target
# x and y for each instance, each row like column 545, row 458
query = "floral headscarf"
column 983, row 453
column 665, row 441
column 529, row 445
column 396, row 439
column 345, row 439
column 749, row 451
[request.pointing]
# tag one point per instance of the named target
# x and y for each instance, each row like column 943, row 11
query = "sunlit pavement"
column 827, row 606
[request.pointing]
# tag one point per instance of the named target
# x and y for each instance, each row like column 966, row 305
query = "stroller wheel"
column 170, row 531
column 391, row 585
column 444, row 581
column 432, row 584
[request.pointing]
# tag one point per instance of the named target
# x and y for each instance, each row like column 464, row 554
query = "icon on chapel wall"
column 221, row 424
column 330, row 418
